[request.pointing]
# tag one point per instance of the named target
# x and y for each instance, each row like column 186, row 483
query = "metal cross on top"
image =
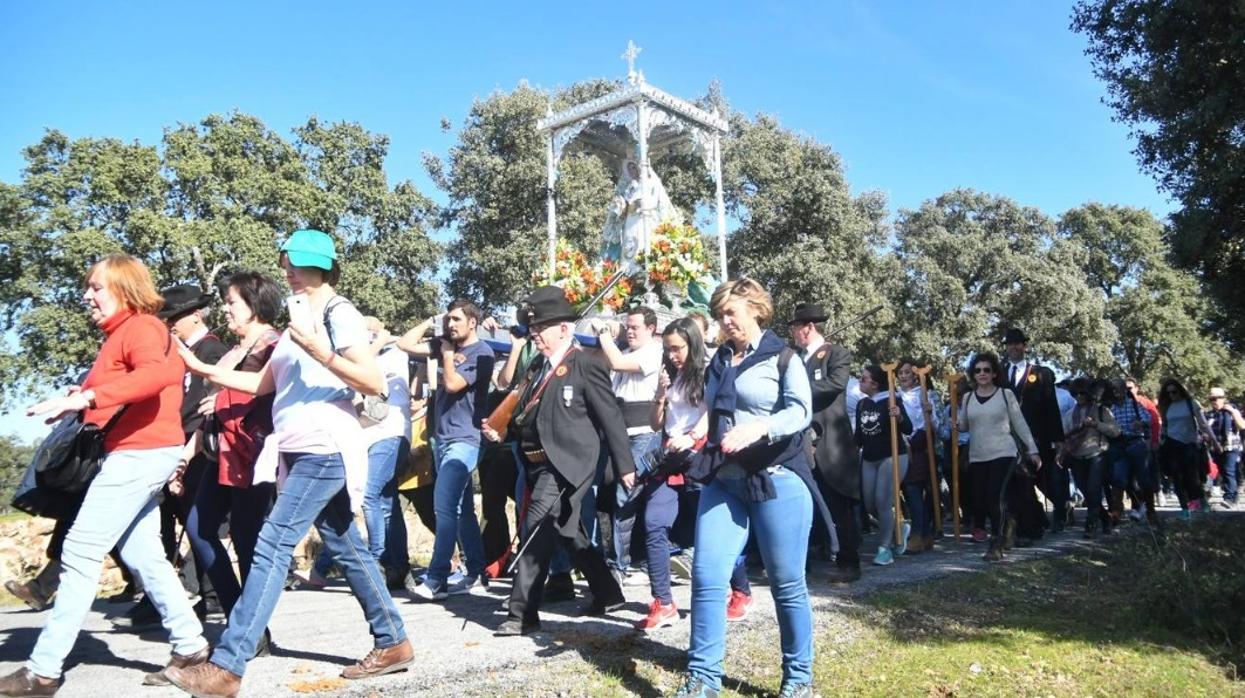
column 630, row 55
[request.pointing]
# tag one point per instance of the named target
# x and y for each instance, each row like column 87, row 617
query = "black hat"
column 808, row 312
column 1015, row 336
column 546, row 304
column 181, row 300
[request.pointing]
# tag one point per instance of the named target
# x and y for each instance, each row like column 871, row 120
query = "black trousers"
column 497, row 476
column 987, row 482
column 842, row 510
column 1054, row 483
column 1022, row 499
column 554, row 499
column 175, row 510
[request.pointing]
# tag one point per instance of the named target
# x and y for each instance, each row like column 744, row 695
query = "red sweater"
column 137, row 366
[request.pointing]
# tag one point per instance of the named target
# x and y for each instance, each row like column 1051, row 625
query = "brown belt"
column 537, row 456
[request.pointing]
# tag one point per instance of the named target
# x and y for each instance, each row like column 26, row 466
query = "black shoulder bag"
column 69, row 458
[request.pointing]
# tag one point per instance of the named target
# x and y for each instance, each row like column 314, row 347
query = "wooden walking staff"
column 953, row 392
column 923, row 376
column 890, row 402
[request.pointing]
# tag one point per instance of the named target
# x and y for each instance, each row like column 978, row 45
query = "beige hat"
column 1217, row 392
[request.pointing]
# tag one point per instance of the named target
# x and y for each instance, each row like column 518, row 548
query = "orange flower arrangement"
column 581, row 280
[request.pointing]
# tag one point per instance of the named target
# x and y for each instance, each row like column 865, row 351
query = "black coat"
column 1040, row 405
column 208, row 350
column 576, row 412
column 835, row 453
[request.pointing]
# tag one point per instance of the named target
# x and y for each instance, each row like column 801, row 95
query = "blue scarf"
column 721, row 398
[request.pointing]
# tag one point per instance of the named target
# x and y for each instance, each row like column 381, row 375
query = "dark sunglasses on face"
column 983, row 369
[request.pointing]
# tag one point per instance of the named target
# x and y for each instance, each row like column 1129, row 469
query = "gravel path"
column 318, row 632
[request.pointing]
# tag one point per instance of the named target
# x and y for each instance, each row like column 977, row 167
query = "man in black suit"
column 835, row 454
column 1034, row 386
column 564, row 409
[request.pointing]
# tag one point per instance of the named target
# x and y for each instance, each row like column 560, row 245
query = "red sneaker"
column 739, row 606
column 979, row 535
column 660, row 615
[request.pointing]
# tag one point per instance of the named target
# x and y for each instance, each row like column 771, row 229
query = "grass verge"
column 1138, row 616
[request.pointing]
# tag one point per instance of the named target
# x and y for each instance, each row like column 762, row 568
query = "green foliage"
column 1158, row 311
column 1173, row 75
column 803, row 234
column 979, row 264
column 216, row 196
column 14, row 457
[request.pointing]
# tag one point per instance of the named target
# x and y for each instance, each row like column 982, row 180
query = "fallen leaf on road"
column 318, row 685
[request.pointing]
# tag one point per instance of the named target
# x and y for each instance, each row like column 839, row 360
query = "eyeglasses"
column 982, row 369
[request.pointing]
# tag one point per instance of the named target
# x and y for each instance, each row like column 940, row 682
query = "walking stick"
column 923, row 376
column 953, row 391
column 890, row 402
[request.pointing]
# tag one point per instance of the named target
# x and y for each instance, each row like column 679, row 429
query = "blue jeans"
column 314, row 493
column 119, row 510
column 386, row 532
column 382, row 510
column 246, row 507
column 454, row 504
column 1131, row 461
column 782, row 530
column 920, row 508
column 625, row 500
column 661, row 508
column 1228, row 474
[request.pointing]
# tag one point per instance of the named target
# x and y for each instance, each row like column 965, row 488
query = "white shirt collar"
column 197, row 337
column 813, row 347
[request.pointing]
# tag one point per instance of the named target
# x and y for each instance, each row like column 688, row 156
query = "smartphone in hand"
column 299, row 309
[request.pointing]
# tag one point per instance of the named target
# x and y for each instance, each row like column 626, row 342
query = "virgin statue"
column 636, row 209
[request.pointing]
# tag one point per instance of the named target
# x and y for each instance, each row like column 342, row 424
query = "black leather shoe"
column 601, row 608
column 844, row 575
column 512, row 627
column 143, row 616
column 559, row 587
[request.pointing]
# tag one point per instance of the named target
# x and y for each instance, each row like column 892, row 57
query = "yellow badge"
column 560, row 372
column 821, row 354
column 1032, row 377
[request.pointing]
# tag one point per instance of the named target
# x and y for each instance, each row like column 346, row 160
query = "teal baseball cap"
column 310, row 248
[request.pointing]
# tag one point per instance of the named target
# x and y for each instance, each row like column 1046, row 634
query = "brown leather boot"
column 157, row 678
column 381, row 661
column 25, row 682
column 28, row 595
column 205, row 680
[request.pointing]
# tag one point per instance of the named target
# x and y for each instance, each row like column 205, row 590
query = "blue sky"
column 916, row 97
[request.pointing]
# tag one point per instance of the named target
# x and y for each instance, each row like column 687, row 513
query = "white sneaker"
column 466, row 585
column 428, row 591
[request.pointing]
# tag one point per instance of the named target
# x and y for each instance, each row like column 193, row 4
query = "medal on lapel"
column 567, row 394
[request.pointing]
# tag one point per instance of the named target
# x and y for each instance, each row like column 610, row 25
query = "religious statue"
column 639, row 205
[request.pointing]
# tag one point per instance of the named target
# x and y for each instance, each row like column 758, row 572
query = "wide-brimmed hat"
column 546, row 304
column 181, row 300
column 1217, row 392
column 808, row 312
column 310, row 248
column 1015, row 336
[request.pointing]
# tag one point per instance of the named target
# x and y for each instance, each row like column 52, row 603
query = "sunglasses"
column 982, row 369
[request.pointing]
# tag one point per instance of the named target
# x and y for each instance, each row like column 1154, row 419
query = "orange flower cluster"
column 581, row 280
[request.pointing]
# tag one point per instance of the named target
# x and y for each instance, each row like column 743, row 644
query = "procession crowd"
column 634, row 456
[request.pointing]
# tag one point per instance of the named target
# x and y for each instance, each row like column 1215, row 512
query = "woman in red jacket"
column 137, row 370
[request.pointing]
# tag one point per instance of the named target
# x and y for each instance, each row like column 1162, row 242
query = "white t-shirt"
column 640, row 386
column 681, row 416
column 395, row 364
column 312, row 410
